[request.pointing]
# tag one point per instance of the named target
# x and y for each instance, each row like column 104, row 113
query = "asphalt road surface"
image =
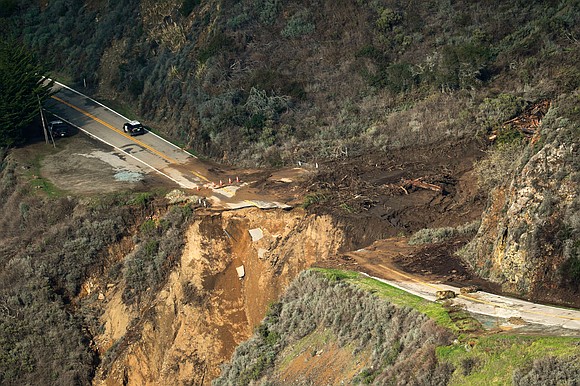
column 480, row 302
column 165, row 158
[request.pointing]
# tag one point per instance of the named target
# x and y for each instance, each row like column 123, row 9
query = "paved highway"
column 480, row 302
column 167, row 159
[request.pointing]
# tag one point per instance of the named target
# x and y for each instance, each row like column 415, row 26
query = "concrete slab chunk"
column 256, row 234
column 241, row 271
column 262, row 253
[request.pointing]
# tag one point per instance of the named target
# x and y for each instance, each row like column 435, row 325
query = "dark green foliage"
column 463, row 66
column 549, row 371
column 468, row 365
column 156, row 254
column 396, row 77
column 195, row 90
column 268, row 10
column 187, row 6
column 8, row 7
column 401, row 339
column 298, row 26
column 21, row 91
column 217, row 44
column 570, row 270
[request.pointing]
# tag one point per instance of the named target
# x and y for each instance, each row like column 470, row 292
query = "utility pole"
column 43, row 123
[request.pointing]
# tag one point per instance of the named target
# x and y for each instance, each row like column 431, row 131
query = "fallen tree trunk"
column 420, row 184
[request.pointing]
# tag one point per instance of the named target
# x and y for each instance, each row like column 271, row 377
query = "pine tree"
column 22, row 86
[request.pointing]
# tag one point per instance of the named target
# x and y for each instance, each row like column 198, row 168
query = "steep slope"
column 272, row 82
column 529, row 240
column 192, row 325
column 327, row 333
column 374, row 334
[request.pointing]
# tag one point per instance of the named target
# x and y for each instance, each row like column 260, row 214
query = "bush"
column 437, row 235
column 268, row 10
column 498, row 167
column 549, row 371
column 156, row 255
column 299, row 25
column 187, row 7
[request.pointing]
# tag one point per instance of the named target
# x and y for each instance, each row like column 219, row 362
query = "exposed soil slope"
column 204, row 311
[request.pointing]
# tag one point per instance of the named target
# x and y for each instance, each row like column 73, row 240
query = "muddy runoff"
column 206, row 309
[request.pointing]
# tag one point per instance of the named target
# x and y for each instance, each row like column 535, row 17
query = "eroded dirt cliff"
column 204, row 311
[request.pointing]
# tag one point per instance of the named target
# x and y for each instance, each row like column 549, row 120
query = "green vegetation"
column 400, row 340
column 298, row 26
column 23, row 89
column 435, row 311
column 501, row 359
column 37, row 182
column 477, row 62
column 49, row 246
column 326, row 306
column 157, row 252
column 315, row 198
column 437, row 235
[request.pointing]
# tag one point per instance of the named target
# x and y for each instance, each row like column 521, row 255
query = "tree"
column 22, row 87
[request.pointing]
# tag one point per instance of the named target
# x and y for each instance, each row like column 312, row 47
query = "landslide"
column 186, row 329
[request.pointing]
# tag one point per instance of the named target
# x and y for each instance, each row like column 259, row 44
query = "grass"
column 491, row 359
column 435, row 311
column 316, row 339
column 37, row 182
column 497, row 356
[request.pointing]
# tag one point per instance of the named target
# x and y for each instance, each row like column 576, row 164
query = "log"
column 423, row 185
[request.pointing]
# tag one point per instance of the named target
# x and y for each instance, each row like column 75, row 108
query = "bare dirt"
column 82, row 165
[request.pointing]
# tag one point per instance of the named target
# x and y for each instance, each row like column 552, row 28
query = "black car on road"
column 58, row 129
column 133, row 128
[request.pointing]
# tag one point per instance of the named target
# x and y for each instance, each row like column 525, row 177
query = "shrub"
column 187, row 7
column 298, row 26
column 268, row 10
column 497, row 168
column 493, row 112
column 156, row 255
column 549, row 371
column 437, row 235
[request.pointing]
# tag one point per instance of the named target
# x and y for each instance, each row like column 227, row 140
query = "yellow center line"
column 144, row 145
column 199, row 176
column 474, row 299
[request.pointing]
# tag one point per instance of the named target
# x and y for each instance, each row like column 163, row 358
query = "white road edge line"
column 121, row 115
column 119, row 149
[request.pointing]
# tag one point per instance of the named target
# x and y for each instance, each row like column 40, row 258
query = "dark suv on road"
column 58, row 129
column 133, row 128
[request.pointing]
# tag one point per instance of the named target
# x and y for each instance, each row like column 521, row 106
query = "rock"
column 447, row 294
column 517, row 321
column 469, row 289
column 256, row 234
column 241, row 272
column 101, row 296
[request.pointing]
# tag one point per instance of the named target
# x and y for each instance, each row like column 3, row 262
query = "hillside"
column 452, row 125
column 333, row 327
